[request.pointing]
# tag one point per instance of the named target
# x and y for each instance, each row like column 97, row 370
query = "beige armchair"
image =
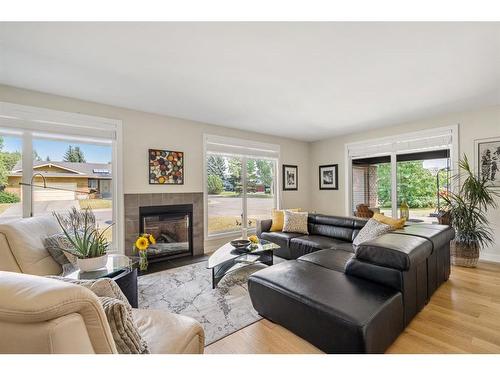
column 41, row 315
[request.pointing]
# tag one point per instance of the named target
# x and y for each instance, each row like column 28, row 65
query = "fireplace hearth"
column 172, row 226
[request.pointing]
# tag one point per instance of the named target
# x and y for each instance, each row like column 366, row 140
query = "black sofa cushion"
column 439, row 235
column 342, row 228
column 329, row 258
column 346, row 246
column 394, row 250
column 336, row 312
column 280, row 238
column 310, row 243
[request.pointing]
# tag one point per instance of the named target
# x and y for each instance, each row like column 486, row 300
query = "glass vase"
column 143, row 260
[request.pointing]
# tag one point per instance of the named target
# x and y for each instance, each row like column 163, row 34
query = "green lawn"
column 226, row 223
column 95, row 204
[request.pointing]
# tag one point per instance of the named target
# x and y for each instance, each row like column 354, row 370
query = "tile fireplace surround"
column 132, row 202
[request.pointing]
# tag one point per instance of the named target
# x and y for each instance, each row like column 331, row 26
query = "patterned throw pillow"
column 295, row 222
column 279, row 219
column 125, row 333
column 370, row 231
column 57, row 246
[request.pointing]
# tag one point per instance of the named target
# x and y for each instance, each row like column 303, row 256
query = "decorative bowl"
column 240, row 244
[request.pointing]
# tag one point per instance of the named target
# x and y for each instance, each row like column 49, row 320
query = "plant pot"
column 464, row 255
column 92, row 264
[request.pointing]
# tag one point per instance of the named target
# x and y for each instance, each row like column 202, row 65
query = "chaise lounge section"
column 347, row 299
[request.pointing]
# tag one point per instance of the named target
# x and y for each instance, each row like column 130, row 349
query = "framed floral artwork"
column 166, row 167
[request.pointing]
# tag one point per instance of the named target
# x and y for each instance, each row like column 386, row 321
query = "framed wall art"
column 290, row 177
column 329, row 177
column 166, row 167
column 488, row 159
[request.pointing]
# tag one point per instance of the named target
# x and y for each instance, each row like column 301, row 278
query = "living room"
column 249, row 188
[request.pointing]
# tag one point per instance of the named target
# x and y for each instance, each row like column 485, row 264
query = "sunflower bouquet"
column 141, row 245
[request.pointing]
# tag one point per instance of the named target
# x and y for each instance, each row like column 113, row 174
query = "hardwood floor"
column 463, row 316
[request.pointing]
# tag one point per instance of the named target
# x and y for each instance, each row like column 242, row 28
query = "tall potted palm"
column 468, row 213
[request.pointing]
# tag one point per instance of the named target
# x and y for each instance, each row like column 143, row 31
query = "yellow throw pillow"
column 394, row 223
column 278, row 217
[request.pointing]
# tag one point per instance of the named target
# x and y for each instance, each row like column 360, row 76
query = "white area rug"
column 188, row 290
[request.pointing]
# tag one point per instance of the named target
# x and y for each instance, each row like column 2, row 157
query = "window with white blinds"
column 411, row 169
column 54, row 160
column 426, row 140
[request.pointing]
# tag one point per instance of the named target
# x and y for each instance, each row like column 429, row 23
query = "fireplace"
column 172, row 226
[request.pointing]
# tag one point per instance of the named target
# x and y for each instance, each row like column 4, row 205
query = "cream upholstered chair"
column 41, row 315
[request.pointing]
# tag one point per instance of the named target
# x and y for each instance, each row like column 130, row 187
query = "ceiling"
column 300, row 80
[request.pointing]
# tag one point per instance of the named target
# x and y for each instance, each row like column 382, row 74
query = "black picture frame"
column 492, row 145
column 286, row 185
column 335, row 179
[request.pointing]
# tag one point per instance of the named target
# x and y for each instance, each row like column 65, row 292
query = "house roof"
column 89, row 170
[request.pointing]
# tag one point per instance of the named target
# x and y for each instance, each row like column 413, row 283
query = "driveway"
column 15, row 211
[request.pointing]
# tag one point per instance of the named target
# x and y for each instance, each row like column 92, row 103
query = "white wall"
column 473, row 125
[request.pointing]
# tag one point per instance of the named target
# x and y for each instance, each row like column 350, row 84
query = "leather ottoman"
column 336, row 312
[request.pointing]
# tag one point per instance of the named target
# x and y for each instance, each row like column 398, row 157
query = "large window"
column 410, row 170
column 240, row 185
column 11, row 144
column 70, row 159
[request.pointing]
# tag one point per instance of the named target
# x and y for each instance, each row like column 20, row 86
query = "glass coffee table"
column 121, row 268
column 227, row 259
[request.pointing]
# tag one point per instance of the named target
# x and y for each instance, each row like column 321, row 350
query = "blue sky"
column 55, row 150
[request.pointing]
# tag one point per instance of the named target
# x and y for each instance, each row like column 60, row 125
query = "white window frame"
column 245, row 150
column 398, row 139
column 30, row 122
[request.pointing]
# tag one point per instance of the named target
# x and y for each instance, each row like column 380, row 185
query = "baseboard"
column 490, row 257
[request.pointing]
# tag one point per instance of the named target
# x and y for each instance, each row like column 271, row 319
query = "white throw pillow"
column 295, row 222
column 370, row 231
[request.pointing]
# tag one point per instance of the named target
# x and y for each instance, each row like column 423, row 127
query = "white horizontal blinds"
column 407, row 143
column 240, row 147
column 55, row 122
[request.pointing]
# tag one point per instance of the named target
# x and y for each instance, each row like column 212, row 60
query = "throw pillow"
column 394, row 223
column 279, row 219
column 295, row 222
column 125, row 333
column 57, row 246
column 370, row 231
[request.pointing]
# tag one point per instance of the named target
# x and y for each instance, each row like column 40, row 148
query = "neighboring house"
column 81, row 177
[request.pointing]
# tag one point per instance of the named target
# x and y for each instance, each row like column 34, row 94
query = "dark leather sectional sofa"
column 346, row 299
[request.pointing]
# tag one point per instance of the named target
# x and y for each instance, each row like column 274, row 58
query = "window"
column 371, row 184
column 240, row 184
column 71, row 160
column 11, row 144
column 411, row 169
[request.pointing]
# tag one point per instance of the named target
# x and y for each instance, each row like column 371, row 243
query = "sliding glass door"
column 240, row 191
column 422, row 179
column 372, row 184
column 385, row 183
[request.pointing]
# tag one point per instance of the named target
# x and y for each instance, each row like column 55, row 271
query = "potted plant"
column 468, row 215
column 87, row 242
